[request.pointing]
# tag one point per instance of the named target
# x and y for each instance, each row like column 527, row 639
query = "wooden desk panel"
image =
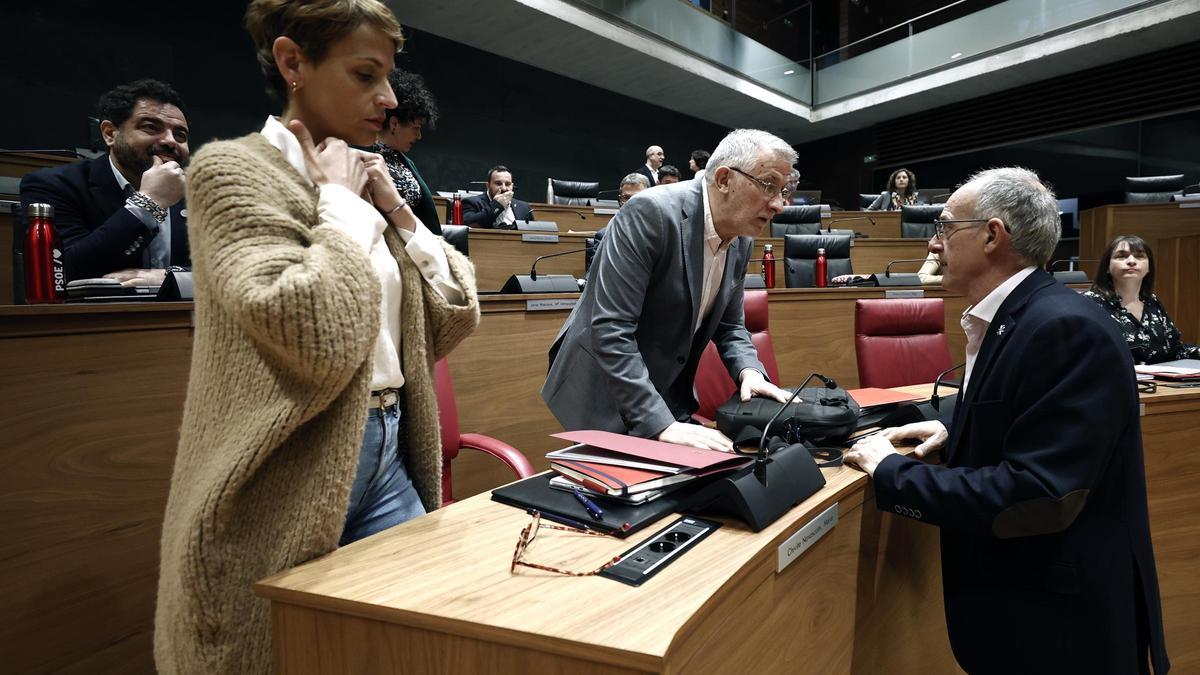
column 92, row 399
column 1174, row 235
column 728, row 608
column 886, row 225
column 866, row 255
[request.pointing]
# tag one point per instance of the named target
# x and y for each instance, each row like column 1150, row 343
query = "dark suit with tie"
column 99, row 235
column 480, row 211
column 625, row 360
column 645, row 171
column 1047, row 565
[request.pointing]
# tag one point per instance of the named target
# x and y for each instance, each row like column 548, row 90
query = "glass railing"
column 771, row 42
column 929, row 42
column 706, row 28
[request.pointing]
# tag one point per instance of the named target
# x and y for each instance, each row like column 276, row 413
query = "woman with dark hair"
column 901, row 191
column 1124, row 287
column 322, row 304
column 415, row 109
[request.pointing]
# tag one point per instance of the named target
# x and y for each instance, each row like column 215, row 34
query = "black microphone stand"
column 762, row 492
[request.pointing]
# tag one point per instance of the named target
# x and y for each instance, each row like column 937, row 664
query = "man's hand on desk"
column 754, row 384
column 134, row 277
column 869, row 451
column 695, row 436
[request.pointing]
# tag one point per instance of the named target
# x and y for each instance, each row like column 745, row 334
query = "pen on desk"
column 561, row 520
column 592, row 508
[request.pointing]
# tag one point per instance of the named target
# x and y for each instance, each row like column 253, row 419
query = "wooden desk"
column 886, row 225
column 865, row 598
column 499, row 254
column 1174, row 235
column 92, row 397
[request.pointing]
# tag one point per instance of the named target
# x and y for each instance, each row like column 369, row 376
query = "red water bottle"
column 456, row 210
column 819, row 272
column 768, row 266
column 45, row 280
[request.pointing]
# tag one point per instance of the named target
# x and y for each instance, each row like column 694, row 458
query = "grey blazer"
column 625, row 360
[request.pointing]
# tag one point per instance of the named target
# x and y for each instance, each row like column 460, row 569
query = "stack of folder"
column 632, row 470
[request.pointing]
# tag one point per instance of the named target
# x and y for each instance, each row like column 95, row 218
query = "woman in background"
column 901, row 191
column 322, row 304
column 415, row 109
column 1124, row 287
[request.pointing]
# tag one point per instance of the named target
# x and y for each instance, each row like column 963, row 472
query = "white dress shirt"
column 715, row 253
column 978, row 317
column 338, row 207
column 653, row 172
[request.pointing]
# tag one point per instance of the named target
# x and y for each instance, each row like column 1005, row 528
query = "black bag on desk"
column 820, row 415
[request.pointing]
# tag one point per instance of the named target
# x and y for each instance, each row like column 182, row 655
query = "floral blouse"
column 1155, row 338
column 406, row 182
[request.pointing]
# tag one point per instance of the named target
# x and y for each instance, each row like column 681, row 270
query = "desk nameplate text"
column 806, row 536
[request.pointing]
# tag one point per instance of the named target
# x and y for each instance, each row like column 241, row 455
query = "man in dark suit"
column 122, row 215
column 654, row 159
column 498, row 207
column 1047, row 565
column 665, row 281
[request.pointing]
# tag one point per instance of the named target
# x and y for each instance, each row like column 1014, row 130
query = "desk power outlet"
column 649, row 557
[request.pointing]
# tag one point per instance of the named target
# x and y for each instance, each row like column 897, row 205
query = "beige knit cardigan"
column 287, row 315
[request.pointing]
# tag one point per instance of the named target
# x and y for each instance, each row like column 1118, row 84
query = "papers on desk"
column 1183, row 369
column 873, row 396
column 622, row 466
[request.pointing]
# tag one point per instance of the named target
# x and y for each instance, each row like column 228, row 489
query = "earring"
column 295, row 85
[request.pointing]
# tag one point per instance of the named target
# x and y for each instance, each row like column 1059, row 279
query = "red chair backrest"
column 448, row 422
column 900, row 342
column 713, row 384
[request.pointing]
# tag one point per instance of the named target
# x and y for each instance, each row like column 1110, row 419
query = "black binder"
column 535, row 493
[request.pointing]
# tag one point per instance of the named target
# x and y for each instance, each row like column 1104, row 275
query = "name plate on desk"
column 806, row 536
column 550, row 304
column 540, row 238
column 906, row 293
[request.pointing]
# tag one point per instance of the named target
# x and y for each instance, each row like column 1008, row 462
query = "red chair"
column 713, row 384
column 900, row 342
column 453, row 441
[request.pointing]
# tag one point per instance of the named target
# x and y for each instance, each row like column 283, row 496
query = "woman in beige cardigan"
column 321, row 306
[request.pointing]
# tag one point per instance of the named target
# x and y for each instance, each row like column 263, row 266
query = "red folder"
column 871, row 396
column 644, row 448
column 616, row 480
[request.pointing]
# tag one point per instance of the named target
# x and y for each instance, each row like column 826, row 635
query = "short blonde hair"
column 315, row 25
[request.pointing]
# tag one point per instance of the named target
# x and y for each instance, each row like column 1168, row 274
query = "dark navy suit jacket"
column 480, row 211
column 1047, row 565
column 645, row 171
column 99, row 235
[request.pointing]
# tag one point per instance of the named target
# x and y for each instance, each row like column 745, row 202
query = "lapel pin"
column 1000, row 330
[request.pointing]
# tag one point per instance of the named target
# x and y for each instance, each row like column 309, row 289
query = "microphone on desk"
column 546, row 283
column 846, row 220
column 898, row 279
column 1070, row 276
column 935, row 400
column 762, row 492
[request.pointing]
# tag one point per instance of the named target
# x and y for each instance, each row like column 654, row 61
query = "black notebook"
column 535, row 493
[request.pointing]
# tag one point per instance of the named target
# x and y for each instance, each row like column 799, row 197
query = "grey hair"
column 741, row 148
column 1027, row 206
column 634, row 179
column 650, row 150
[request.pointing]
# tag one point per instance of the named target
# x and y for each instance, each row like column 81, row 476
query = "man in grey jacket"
column 666, row 280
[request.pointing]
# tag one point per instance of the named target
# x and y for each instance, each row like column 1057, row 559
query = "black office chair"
column 1149, row 189
column 916, row 222
column 865, row 200
column 800, row 258
column 456, row 236
column 797, row 220
column 572, row 192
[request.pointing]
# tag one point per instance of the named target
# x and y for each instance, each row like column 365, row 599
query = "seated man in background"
column 630, row 186
column 666, row 280
column 668, row 174
column 122, row 216
column 498, row 207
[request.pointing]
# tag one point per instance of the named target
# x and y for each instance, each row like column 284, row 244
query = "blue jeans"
column 383, row 496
